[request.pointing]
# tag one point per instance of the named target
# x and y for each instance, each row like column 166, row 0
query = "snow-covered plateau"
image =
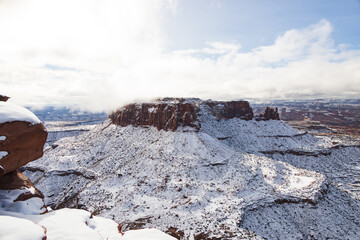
column 232, row 179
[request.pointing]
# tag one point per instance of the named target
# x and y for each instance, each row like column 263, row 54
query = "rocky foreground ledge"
column 170, row 113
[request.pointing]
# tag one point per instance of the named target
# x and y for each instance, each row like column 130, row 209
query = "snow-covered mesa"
column 215, row 182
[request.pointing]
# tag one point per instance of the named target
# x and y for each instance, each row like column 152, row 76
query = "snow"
column 188, row 180
column 23, row 220
column 2, row 138
column 68, row 224
column 14, row 228
column 3, row 154
column 152, row 109
column 10, row 112
column 30, row 206
column 146, row 234
column 232, row 179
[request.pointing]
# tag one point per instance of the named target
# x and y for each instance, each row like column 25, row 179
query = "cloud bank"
column 99, row 55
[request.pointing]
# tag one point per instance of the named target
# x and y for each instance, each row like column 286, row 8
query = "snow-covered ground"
column 29, row 220
column 60, row 129
column 232, row 179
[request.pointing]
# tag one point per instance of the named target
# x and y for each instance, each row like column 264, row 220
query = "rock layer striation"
column 171, row 113
column 166, row 115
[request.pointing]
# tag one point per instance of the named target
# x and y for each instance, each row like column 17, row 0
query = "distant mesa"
column 170, row 113
column 269, row 113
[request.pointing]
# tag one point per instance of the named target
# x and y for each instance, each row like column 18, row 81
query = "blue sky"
column 257, row 22
column 65, row 52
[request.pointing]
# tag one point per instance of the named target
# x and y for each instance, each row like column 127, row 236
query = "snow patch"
column 146, row 234
column 10, row 112
column 14, row 228
column 68, row 224
column 152, row 109
column 3, row 154
column 2, row 138
column 31, row 206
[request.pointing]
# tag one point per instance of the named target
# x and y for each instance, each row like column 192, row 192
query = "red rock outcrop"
column 167, row 114
column 269, row 114
column 24, row 143
column 4, row 98
column 170, row 113
column 17, row 181
column 22, row 136
column 231, row 109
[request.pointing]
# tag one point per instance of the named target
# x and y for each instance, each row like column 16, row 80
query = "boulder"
column 22, row 137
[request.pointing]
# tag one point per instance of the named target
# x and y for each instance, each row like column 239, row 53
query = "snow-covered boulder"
column 22, row 137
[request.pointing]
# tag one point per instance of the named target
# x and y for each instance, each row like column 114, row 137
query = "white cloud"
column 216, row 4
column 102, row 54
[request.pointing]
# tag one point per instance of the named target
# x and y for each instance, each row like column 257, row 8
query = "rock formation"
column 22, row 137
column 16, row 187
column 4, row 98
column 170, row 113
column 166, row 115
column 269, row 114
column 232, row 109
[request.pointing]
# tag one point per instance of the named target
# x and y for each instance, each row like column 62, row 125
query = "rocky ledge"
column 23, row 212
column 170, row 113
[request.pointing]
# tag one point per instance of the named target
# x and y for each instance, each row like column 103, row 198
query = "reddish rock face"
column 232, row 109
column 166, row 116
column 269, row 114
column 24, row 143
column 4, row 98
column 17, row 180
column 169, row 114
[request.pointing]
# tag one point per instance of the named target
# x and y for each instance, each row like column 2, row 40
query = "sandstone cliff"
column 170, row 113
column 166, row 115
column 269, row 114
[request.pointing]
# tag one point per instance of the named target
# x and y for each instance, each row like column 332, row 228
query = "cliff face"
column 166, row 115
column 269, row 114
column 170, row 113
column 228, row 110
